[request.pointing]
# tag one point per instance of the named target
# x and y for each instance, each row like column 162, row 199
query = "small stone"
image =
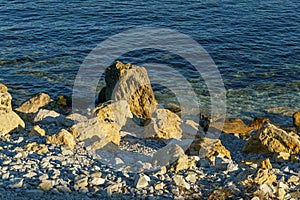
column 265, row 164
column 296, row 120
column 45, row 185
column 179, row 181
column 30, row 175
column 97, row 181
column 5, row 175
column 141, row 181
column 18, row 183
column 81, row 181
column 293, row 179
column 282, row 157
column 63, row 188
column 37, row 131
column 264, row 176
column 159, row 186
column 43, row 177
column 6, row 162
column 191, row 178
column 63, row 137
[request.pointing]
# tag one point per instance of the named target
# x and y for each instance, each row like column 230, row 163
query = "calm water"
column 255, row 44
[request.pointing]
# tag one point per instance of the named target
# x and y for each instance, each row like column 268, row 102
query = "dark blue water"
column 255, row 44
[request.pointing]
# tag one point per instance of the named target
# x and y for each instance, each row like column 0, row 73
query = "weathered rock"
column 131, row 83
column 45, row 116
column 63, row 137
column 35, row 103
column 10, row 121
column 117, row 112
column 191, row 130
column 81, row 181
column 296, row 120
column 5, row 100
column 235, row 126
column 281, row 157
column 17, row 183
column 37, row 131
column 167, row 155
column 141, row 181
column 97, row 181
column 264, row 176
column 183, row 163
column 179, row 181
column 263, row 164
column 96, row 134
column 45, row 185
column 258, row 123
column 271, row 139
column 208, row 148
column 38, row 148
column 164, row 124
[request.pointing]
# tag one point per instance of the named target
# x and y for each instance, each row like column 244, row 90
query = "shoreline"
column 119, row 152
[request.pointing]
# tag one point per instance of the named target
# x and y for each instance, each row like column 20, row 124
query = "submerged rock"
column 271, row 139
column 131, row 83
column 236, row 126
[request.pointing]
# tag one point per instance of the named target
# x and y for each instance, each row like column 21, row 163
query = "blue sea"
column 255, row 45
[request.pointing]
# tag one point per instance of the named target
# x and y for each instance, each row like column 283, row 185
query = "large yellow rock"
column 164, row 124
column 34, row 104
column 96, row 133
column 63, row 137
column 131, row 83
column 271, row 139
column 10, row 122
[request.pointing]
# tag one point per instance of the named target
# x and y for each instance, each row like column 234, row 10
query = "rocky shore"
column 130, row 148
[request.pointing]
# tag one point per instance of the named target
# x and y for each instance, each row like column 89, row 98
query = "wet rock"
column 141, row 181
column 164, row 124
column 271, row 139
column 63, row 137
column 235, row 126
column 35, row 103
column 117, row 112
column 37, row 131
column 258, row 123
column 131, row 83
column 96, row 134
column 296, row 120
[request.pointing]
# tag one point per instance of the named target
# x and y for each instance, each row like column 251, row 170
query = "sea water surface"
column 255, row 44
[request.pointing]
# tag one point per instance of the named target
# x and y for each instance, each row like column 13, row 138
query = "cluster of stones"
column 128, row 147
